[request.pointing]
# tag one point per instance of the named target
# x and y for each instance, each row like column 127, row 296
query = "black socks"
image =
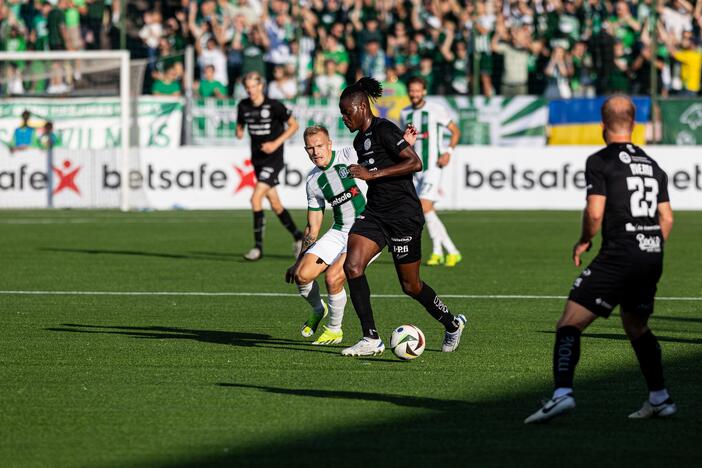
column 566, row 353
column 360, row 296
column 435, row 306
column 287, row 221
column 648, row 352
column 258, row 226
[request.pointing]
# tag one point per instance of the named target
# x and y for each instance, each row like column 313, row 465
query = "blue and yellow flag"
column 577, row 121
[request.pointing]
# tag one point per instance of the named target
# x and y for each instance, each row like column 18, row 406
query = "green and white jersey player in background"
column 431, row 121
column 329, row 184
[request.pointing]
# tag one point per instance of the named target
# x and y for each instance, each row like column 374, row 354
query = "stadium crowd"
column 556, row 48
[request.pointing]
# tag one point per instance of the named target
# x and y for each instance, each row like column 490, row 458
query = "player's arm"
column 445, row 157
column 239, row 123
column 292, row 126
column 409, row 159
column 309, row 237
column 665, row 219
column 592, row 222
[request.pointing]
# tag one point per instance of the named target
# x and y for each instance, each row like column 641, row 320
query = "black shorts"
column 268, row 169
column 402, row 236
column 612, row 280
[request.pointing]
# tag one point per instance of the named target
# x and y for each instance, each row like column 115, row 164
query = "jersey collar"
column 330, row 162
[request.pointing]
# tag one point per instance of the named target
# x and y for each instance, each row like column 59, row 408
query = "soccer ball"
column 407, row 342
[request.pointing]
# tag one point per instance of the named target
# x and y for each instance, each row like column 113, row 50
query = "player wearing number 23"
column 627, row 197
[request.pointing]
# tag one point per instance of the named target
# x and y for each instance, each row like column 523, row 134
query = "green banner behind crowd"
column 483, row 121
column 682, row 121
column 94, row 123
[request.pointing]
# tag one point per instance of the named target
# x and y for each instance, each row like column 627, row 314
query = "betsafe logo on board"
column 23, row 178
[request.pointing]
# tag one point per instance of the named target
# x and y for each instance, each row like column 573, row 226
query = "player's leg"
column 635, row 312
column 428, row 196
column 433, row 222
column 566, row 354
column 310, row 267
column 365, row 241
column 413, row 286
column 336, row 299
column 285, row 218
column 259, row 223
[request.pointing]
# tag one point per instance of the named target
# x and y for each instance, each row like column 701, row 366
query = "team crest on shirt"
column 343, row 172
column 265, row 113
column 367, row 144
column 624, row 157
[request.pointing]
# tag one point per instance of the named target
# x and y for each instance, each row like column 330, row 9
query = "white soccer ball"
column 407, row 342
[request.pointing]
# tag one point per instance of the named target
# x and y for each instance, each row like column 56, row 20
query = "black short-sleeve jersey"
column 634, row 185
column 265, row 123
column 377, row 148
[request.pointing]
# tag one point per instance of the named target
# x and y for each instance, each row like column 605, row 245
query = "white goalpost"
column 40, row 70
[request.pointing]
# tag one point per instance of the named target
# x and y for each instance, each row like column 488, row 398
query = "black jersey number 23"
column 644, row 196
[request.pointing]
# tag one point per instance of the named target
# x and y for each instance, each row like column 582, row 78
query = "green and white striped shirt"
column 431, row 121
column 334, row 185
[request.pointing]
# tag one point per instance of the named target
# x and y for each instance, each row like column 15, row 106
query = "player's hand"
column 359, row 172
column 443, row 160
column 410, row 135
column 290, row 273
column 269, row 147
column 578, row 249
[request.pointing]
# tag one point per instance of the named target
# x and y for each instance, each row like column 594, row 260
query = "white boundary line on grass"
column 274, row 294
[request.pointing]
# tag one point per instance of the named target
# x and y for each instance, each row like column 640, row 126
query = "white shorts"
column 427, row 184
column 330, row 246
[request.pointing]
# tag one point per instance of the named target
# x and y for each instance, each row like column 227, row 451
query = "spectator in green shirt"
column 167, row 85
column 56, row 23
column 209, row 87
column 40, row 28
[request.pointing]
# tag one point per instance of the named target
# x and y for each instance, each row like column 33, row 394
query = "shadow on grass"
column 399, row 400
column 239, row 255
column 463, row 431
column 205, row 336
column 135, row 253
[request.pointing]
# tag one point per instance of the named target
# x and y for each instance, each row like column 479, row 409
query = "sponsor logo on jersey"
column 344, row 197
column 649, row 243
column 601, row 302
column 629, row 227
column 587, row 272
column 367, row 144
column 401, row 239
column 630, row 147
column 624, row 157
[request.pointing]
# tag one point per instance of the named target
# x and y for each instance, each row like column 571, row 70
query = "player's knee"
column 303, row 277
column 335, row 280
column 353, row 268
column 411, row 288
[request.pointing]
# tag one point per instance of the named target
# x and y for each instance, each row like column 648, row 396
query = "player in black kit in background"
column 393, row 217
column 266, row 119
column 627, row 195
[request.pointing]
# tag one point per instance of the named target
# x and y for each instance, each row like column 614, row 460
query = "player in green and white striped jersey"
column 431, row 121
column 329, row 183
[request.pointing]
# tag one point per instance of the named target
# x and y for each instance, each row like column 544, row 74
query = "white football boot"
column 451, row 339
column 649, row 410
column 552, row 408
column 253, row 254
column 365, row 347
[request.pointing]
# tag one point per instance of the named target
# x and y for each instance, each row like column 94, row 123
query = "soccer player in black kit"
column 627, row 196
column 266, row 119
column 393, row 217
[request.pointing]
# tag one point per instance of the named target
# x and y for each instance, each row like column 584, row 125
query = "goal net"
column 65, row 125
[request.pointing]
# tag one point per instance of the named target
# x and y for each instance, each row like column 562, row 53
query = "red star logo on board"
column 67, row 178
column 246, row 179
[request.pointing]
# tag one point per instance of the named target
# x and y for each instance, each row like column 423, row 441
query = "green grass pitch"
column 186, row 381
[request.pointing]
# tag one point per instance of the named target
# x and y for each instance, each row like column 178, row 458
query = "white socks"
column 337, row 302
column 658, row 397
column 561, row 391
column 310, row 292
column 438, row 234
